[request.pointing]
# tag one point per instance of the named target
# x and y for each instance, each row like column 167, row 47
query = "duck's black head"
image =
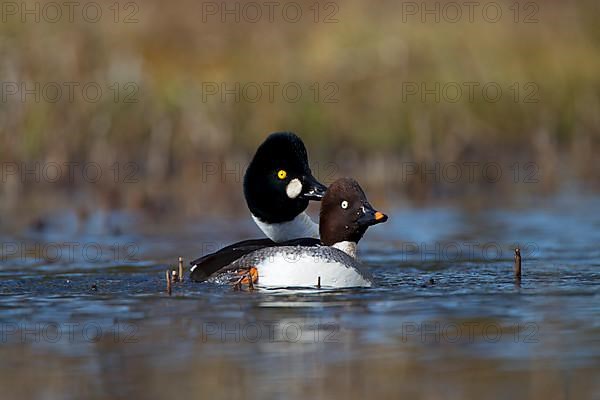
column 278, row 183
column 346, row 214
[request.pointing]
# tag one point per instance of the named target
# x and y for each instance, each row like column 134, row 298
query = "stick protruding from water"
column 168, row 276
column 517, row 267
column 180, row 269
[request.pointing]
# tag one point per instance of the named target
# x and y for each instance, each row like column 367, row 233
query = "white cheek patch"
column 294, row 188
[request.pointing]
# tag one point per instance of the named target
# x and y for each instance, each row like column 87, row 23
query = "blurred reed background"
column 185, row 148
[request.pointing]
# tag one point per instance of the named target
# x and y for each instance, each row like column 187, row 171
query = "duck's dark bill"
column 312, row 189
column 371, row 217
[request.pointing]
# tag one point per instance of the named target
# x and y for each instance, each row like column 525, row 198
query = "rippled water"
column 84, row 312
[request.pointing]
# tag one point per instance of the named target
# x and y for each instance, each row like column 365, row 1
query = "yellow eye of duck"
column 281, row 174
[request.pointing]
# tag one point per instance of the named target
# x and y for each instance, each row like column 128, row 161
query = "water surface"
column 84, row 312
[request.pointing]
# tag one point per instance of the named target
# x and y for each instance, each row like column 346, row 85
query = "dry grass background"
column 172, row 133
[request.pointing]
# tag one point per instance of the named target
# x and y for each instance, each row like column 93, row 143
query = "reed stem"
column 517, row 266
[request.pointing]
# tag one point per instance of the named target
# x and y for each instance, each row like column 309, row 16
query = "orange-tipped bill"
column 371, row 217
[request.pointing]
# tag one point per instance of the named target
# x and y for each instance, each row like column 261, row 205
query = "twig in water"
column 168, row 275
column 517, row 267
column 180, row 269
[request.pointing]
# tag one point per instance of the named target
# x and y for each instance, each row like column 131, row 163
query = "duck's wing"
column 204, row 267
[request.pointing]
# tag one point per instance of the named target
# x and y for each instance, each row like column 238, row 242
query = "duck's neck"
column 347, row 247
column 300, row 227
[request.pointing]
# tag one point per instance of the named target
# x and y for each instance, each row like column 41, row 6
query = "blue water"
column 84, row 311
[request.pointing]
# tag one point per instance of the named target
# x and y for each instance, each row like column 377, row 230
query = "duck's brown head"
column 346, row 214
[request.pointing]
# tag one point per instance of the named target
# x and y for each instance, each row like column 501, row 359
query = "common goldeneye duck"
column 278, row 185
column 345, row 216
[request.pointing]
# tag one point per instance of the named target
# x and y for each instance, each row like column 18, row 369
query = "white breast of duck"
column 300, row 227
